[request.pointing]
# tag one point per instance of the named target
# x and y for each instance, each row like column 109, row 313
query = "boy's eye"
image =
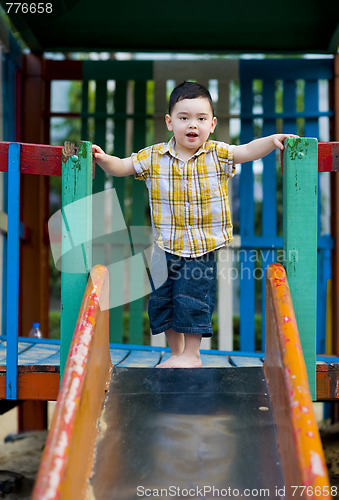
column 183, row 118
column 202, row 119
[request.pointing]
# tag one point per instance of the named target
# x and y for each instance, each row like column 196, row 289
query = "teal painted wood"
column 300, row 241
column 245, row 361
column 12, row 293
column 76, row 239
column 140, row 359
column 116, row 320
column 118, row 355
column 137, row 272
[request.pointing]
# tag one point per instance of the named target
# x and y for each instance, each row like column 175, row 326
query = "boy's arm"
column 119, row 167
column 259, row 147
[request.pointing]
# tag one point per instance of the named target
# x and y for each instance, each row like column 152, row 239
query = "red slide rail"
column 302, row 458
column 68, row 455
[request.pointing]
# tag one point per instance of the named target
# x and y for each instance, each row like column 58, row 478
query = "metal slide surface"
column 186, row 433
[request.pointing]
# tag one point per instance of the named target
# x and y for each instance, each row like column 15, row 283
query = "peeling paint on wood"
column 68, row 454
column 298, row 437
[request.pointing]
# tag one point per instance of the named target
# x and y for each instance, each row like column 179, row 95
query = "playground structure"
column 32, row 372
column 171, row 396
column 301, row 165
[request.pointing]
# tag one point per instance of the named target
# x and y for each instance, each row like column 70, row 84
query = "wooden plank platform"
column 39, row 365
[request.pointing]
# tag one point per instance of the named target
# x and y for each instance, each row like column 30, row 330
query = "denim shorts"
column 186, row 300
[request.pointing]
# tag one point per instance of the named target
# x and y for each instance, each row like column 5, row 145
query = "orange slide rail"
column 68, row 455
column 303, row 464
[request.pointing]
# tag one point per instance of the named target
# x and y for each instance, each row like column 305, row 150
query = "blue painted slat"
column 165, row 356
column 35, row 351
column 312, row 130
column 268, row 257
column 294, row 69
column 52, row 360
column 311, row 99
column 324, row 242
column 246, row 218
column 117, row 355
column 245, row 362
column 289, row 105
column 37, row 354
column 141, row 359
column 4, row 258
column 214, row 361
column 8, row 119
column 289, row 115
column 247, row 301
column 269, row 190
column 13, row 269
column 324, row 274
column 269, row 179
column 3, row 350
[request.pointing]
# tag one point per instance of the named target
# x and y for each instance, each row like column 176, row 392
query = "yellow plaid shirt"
column 189, row 203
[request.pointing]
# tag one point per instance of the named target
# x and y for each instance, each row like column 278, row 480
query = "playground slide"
column 203, row 433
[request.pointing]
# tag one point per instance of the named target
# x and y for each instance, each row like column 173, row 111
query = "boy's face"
column 191, row 121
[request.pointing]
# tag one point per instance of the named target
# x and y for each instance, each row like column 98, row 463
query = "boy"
column 187, row 183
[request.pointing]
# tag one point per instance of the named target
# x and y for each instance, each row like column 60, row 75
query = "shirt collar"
column 169, row 148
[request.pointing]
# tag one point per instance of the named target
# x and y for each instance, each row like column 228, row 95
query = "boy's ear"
column 214, row 124
column 168, row 122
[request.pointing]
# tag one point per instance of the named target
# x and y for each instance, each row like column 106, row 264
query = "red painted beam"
column 37, row 159
column 328, row 156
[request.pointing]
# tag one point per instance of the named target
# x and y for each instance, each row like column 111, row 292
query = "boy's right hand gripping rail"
column 300, row 448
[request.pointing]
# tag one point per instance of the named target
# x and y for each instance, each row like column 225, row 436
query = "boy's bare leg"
column 190, row 357
column 176, row 343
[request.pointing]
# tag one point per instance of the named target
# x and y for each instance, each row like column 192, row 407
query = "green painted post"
column 137, row 278
column 300, row 193
column 116, row 318
column 77, row 173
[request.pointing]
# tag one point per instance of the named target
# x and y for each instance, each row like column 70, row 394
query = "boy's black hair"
column 189, row 90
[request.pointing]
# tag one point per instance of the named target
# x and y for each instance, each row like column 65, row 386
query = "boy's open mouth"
column 192, row 134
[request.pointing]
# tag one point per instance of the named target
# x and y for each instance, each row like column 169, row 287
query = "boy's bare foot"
column 165, row 363
column 182, row 361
